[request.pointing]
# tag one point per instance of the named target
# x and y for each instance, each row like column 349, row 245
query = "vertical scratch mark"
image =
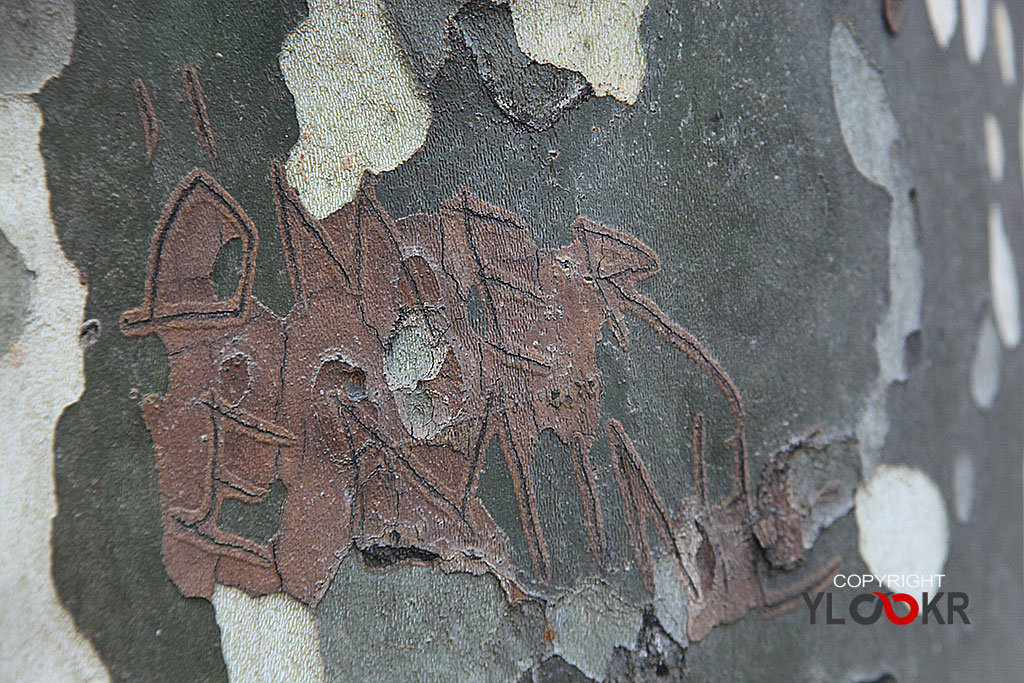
column 643, row 504
column 586, row 480
column 148, row 115
column 700, row 476
column 197, row 105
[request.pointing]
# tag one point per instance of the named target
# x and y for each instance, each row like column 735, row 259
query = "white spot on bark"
column 1002, row 29
column 270, row 638
column 995, row 154
column 986, row 365
column 1002, row 276
column 589, row 622
column 40, row 374
column 872, row 137
column 902, row 523
column 975, row 28
column 355, row 100
column 943, row 15
column 963, row 487
column 598, row 38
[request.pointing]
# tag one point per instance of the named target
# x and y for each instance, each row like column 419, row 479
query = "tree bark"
column 526, row 340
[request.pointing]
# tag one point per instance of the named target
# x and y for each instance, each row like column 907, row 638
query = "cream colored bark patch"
column 598, row 38
column 355, row 100
column 902, row 524
column 40, row 374
column 267, row 639
column 943, row 15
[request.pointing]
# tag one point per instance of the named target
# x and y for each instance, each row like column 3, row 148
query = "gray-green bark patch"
column 406, row 622
column 258, row 522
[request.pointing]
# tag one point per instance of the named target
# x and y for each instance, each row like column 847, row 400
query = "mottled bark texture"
column 531, row 340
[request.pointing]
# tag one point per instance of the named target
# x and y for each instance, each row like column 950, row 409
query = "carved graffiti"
column 148, row 115
column 411, row 346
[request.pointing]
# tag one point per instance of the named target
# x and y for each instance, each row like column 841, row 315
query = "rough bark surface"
column 527, row 340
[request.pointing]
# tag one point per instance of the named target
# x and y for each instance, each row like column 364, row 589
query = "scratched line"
column 148, row 115
column 197, row 105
